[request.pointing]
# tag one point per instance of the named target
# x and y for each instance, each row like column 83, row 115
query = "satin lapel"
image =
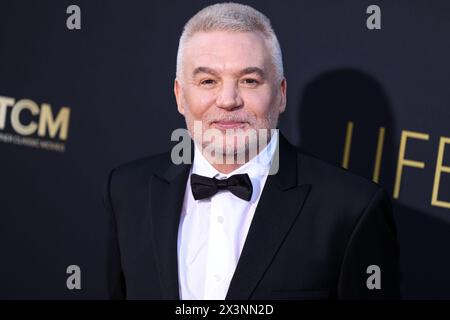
column 280, row 204
column 166, row 200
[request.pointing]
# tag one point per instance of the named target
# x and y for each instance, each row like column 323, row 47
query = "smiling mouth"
column 224, row 124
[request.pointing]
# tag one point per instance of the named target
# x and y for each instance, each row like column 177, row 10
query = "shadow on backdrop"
column 328, row 103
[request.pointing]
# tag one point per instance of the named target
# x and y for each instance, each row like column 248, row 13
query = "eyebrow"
column 245, row 71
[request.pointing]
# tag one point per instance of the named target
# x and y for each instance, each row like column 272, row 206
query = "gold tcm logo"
column 24, row 122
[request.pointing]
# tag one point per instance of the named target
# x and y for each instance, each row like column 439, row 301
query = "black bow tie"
column 204, row 187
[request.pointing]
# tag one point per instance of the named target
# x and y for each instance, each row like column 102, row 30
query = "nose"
column 229, row 97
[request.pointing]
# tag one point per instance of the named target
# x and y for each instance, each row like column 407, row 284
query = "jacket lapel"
column 166, row 200
column 278, row 208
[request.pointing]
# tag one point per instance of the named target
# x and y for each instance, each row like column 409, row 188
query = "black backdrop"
column 115, row 75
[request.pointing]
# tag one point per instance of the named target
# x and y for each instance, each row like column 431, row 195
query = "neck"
column 229, row 167
column 226, row 168
column 224, row 165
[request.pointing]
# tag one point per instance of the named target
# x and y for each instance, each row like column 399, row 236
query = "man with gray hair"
column 270, row 221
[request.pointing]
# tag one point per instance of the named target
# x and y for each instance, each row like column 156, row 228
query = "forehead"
column 226, row 51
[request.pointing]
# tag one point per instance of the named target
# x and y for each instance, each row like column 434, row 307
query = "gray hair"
column 232, row 17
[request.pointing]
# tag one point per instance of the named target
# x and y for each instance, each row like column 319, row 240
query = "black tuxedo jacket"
column 316, row 230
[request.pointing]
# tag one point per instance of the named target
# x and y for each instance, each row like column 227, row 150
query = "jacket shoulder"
column 136, row 173
column 151, row 164
column 343, row 201
column 334, row 184
column 321, row 173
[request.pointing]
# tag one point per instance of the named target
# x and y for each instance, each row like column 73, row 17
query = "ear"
column 283, row 90
column 177, row 89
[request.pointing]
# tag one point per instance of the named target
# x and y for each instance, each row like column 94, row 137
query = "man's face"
column 228, row 82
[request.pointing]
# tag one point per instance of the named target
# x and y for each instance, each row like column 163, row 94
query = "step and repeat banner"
column 88, row 85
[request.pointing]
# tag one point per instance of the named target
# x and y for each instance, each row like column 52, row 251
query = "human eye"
column 251, row 82
column 207, row 82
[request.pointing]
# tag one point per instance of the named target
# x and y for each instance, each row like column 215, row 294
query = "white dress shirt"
column 212, row 231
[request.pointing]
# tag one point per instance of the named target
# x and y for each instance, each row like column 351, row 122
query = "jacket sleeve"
column 114, row 275
column 370, row 267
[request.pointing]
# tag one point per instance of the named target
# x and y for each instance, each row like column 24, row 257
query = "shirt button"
column 217, row 277
column 220, row 219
